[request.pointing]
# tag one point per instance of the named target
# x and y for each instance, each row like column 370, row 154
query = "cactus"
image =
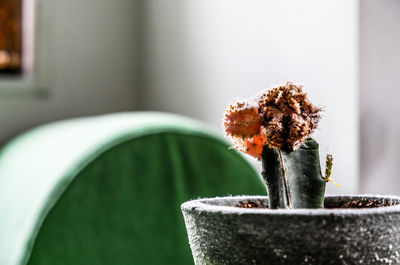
column 276, row 129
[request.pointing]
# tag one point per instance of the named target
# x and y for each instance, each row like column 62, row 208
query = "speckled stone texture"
column 221, row 234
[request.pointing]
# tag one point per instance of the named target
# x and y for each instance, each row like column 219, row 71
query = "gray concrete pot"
column 220, row 233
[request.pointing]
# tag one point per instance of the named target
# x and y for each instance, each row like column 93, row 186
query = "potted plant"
column 295, row 223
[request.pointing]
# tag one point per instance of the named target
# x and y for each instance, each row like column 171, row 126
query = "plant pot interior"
column 331, row 202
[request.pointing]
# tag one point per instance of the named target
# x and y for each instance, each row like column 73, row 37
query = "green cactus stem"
column 293, row 178
column 274, row 174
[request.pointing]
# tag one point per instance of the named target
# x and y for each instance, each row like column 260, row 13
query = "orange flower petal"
column 251, row 146
column 242, row 120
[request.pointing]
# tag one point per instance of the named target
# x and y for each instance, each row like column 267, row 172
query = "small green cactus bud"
column 328, row 169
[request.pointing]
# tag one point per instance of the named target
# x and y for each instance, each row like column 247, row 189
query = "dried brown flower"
column 283, row 119
column 289, row 117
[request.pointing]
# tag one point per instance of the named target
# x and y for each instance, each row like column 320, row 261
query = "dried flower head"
column 283, row 119
column 288, row 116
column 242, row 120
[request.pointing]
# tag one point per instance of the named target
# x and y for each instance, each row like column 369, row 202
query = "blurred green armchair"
column 108, row 189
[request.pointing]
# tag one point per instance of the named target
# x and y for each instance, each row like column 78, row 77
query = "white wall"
column 380, row 92
column 91, row 54
column 194, row 58
column 202, row 55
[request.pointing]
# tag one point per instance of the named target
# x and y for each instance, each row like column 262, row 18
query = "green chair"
column 108, row 189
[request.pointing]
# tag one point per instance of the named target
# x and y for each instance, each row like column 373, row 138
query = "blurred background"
column 65, row 59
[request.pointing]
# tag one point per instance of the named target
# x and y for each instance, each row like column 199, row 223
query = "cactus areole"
column 276, row 128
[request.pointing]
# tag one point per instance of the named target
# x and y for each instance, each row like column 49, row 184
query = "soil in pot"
column 355, row 204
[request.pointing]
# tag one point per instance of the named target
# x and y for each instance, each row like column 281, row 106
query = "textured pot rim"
column 201, row 205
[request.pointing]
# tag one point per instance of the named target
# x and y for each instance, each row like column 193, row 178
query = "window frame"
column 33, row 79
